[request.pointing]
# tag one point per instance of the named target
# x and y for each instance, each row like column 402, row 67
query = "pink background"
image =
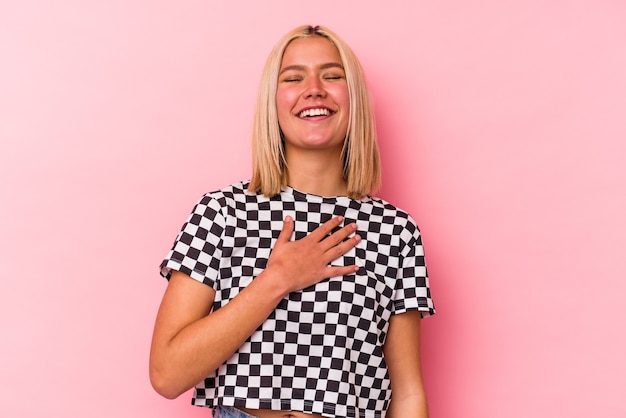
column 502, row 127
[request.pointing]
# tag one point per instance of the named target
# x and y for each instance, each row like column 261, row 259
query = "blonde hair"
column 362, row 169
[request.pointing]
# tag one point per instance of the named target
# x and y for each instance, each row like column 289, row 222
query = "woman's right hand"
column 304, row 262
column 189, row 343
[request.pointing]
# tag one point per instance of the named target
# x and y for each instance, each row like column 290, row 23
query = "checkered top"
column 320, row 351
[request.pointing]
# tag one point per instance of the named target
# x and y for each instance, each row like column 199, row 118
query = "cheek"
column 285, row 100
column 342, row 97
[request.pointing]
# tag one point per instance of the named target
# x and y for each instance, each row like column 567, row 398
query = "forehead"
column 313, row 51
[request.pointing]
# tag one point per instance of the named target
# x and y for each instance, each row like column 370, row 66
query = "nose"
column 314, row 88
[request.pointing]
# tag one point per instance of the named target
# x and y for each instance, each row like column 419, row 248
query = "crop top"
column 320, row 351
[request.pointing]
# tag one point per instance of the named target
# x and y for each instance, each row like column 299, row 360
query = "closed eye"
column 291, row 77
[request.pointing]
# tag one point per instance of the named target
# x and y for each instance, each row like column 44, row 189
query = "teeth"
column 314, row 112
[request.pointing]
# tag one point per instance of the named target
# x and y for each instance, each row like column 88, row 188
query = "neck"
column 318, row 173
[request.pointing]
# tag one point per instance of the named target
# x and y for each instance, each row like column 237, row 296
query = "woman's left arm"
column 402, row 355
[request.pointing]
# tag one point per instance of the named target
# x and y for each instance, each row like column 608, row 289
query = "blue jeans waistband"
column 230, row 412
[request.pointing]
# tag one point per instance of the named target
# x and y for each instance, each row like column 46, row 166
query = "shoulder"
column 390, row 212
column 216, row 203
column 399, row 221
column 229, row 195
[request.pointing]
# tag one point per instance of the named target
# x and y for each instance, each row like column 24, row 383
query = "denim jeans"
column 230, row 412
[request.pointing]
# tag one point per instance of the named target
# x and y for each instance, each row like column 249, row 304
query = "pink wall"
column 503, row 130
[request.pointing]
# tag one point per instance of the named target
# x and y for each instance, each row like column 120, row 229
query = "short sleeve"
column 412, row 288
column 198, row 246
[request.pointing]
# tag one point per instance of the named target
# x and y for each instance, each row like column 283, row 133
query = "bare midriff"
column 269, row 413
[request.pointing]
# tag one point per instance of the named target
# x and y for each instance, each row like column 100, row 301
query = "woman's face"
column 312, row 96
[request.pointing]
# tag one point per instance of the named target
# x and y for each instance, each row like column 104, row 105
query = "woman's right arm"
column 188, row 344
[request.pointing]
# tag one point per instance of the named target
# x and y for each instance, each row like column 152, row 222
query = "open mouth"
column 318, row 111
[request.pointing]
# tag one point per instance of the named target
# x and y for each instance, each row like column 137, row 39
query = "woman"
column 297, row 294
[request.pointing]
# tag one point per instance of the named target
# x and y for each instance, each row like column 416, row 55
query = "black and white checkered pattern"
column 320, row 351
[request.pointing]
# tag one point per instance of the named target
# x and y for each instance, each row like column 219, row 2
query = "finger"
column 338, row 236
column 286, row 231
column 326, row 228
column 342, row 248
column 336, row 271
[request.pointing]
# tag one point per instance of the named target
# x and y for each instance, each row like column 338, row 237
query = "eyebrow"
column 302, row 67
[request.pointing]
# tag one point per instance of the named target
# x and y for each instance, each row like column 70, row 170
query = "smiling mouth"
column 309, row 113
